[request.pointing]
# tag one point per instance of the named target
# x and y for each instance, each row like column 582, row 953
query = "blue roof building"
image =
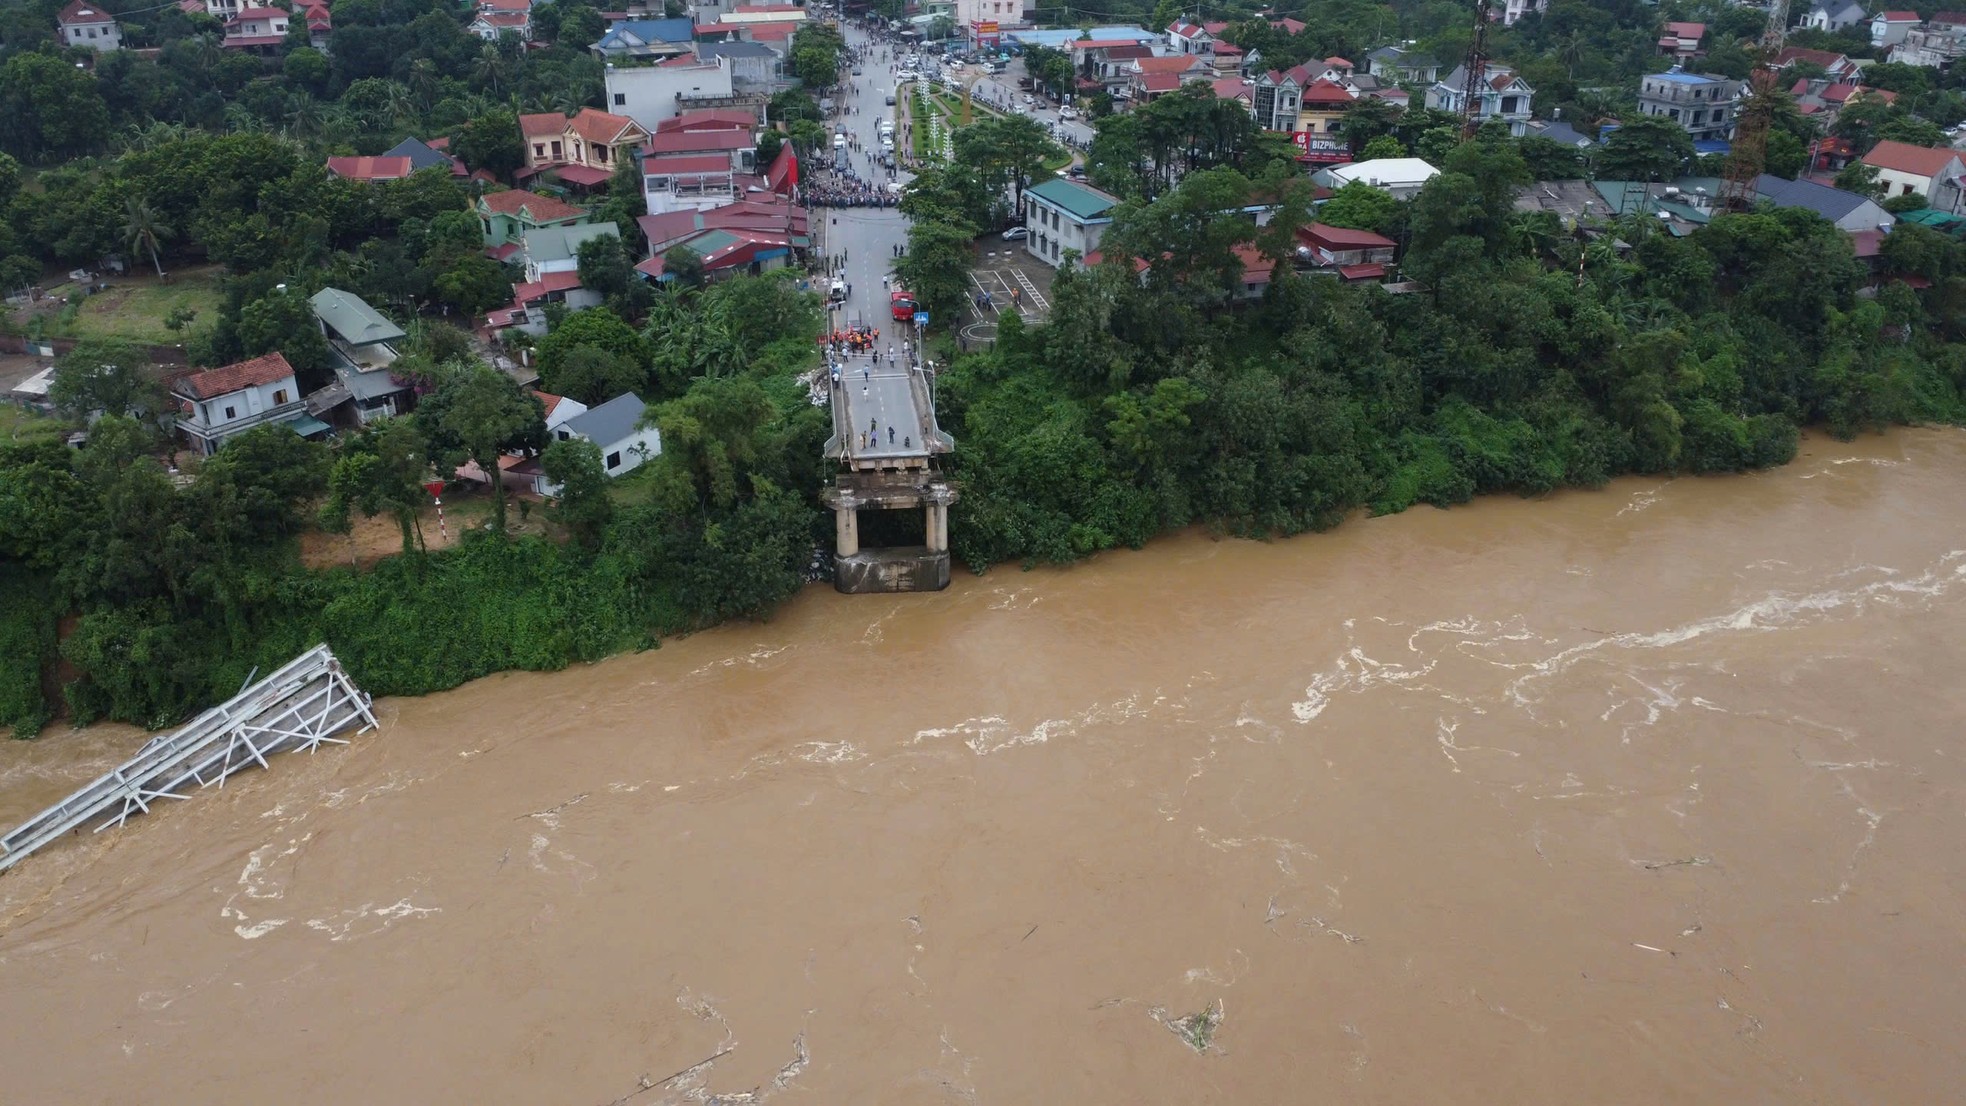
column 1701, row 103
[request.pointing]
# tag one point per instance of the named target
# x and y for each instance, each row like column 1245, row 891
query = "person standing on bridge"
column 890, row 435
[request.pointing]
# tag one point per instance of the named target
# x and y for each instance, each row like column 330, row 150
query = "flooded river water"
column 1640, row 796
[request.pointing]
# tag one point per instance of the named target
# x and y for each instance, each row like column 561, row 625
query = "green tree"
column 683, row 267
column 110, row 376
column 381, row 469
column 574, row 464
column 50, row 108
column 936, row 267
column 1006, row 151
column 492, row 142
column 593, row 375
column 1360, row 206
column 1645, row 148
column 283, row 320
column 1384, row 146
column 1860, row 178
column 143, row 230
column 478, row 412
column 596, row 328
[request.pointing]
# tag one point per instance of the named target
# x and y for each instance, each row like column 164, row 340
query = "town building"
column 505, row 216
column 556, row 249
column 1198, row 39
column 1702, row 103
column 87, row 26
column 653, row 93
column 362, row 341
column 1833, row 15
column 219, row 404
column 1904, row 170
column 1353, row 255
column 1835, row 66
column 1063, row 216
column 1681, row 41
column 496, row 18
column 1402, row 65
column 754, row 66
column 368, row 170
column 1889, row 28
column 1400, row 177
column 1504, row 95
column 1151, row 78
column 1513, row 11
column 645, row 39
column 1935, row 44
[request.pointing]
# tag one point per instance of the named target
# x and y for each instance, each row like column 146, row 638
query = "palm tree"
column 401, row 103
column 144, row 230
column 423, row 81
column 1570, row 50
column 306, row 117
column 492, row 69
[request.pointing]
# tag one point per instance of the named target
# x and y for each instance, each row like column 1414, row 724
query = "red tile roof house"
column 218, row 404
column 257, row 30
column 370, row 169
column 87, row 26
column 1904, row 169
column 584, row 150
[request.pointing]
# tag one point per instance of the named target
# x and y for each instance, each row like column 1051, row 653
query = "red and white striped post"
column 436, row 490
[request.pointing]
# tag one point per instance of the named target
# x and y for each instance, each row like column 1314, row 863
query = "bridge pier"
column 922, row 567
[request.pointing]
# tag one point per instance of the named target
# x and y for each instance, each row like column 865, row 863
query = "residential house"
column 1835, row 65
column 1833, row 15
column 89, row 27
column 1239, row 89
column 320, row 21
column 1276, row 98
column 616, row 427
column 1185, row 37
column 1105, row 66
column 363, row 342
column 217, row 9
column 1904, row 169
column 257, row 30
column 1401, row 177
column 766, row 13
column 1064, row 216
column 1514, row 10
column 754, row 214
column 982, row 21
column 1504, row 95
column 492, row 25
column 368, row 170
column 732, row 251
column 218, row 404
column 1324, row 104
column 558, row 409
column 587, row 148
column 1848, row 210
column 1702, row 103
column 709, row 119
column 505, row 216
column 526, row 312
column 423, row 155
column 1353, row 255
column 1681, row 41
column 642, row 39
column 1150, row 78
column 1935, row 44
column 1890, row 28
column 754, row 66
column 651, row 94
column 1822, row 100
column 687, row 182
column 1402, row 65
column 556, row 249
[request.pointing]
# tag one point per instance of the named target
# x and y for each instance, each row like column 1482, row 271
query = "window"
column 565, row 437
column 556, row 149
column 614, row 460
column 230, row 415
column 279, row 395
column 600, row 153
column 620, row 98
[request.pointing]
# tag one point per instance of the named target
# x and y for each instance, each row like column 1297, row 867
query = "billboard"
column 1321, row 148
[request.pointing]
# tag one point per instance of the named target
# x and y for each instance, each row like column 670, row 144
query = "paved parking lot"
column 1005, row 278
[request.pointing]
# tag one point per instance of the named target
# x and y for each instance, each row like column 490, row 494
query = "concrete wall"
column 648, row 94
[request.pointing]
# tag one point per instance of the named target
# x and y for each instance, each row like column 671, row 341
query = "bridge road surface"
column 878, row 398
column 868, row 235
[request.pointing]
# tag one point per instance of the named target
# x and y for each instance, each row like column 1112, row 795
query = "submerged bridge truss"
column 299, row 707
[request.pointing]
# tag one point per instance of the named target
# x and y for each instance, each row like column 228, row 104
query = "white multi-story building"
column 1513, row 10
column 650, row 94
column 1702, row 103
column 1504, row 95
column 1063, row 216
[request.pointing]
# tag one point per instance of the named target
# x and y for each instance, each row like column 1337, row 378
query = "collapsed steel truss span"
column 299, row 707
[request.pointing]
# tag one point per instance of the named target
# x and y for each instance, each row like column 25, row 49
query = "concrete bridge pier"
column 846, row 531
column 922, row 567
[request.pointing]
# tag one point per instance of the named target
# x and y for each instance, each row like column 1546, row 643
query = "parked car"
column 1068, row 112
column 890, row 99
column 1016, row 234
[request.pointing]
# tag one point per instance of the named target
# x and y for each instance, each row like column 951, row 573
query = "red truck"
column 901, row 305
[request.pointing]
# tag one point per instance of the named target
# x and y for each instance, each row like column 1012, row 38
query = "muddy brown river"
column 1641, row 796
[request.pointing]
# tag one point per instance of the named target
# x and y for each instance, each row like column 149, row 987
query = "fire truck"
column 901, row 304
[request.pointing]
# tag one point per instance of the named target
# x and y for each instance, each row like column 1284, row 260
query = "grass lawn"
column 18, row 424
column 135, row 307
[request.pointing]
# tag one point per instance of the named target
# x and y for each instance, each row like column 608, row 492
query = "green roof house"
column 1062, row 216
column 506, row 216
